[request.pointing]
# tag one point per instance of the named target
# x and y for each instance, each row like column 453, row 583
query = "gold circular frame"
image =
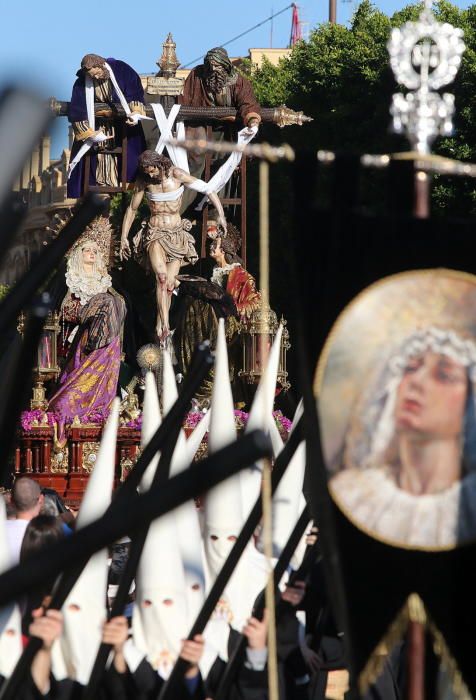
column 341, row 376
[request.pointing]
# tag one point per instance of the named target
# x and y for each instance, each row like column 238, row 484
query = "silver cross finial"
column 424, row 56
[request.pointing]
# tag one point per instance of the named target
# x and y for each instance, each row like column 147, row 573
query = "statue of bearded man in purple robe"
column 113, row 82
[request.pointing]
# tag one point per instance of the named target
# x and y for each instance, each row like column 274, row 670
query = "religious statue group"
column 97, row 311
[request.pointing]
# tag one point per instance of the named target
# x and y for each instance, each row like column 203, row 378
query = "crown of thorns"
column 155, row 160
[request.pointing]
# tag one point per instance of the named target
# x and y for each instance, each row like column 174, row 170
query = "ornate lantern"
column 166, row 82
column 168, row 62
column 260, row 328
column 47, row 360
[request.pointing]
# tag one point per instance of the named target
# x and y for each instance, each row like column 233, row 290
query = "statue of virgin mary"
column 93, row 314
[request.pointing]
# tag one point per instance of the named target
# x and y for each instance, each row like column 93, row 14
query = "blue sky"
column 42, row 42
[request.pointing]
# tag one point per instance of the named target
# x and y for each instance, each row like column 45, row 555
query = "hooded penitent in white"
column 223, row 513
column 161, row 617
column 159, row 620
column 216, row 632
column 259, row 419
column 186, row 516
column 159, row 626
column 222, row 517
column 10, row 618
column 84, row 610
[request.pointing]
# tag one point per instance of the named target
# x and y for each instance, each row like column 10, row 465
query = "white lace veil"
column 86, row 285
column 372, row 434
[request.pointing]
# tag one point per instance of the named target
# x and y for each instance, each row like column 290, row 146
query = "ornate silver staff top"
column 424, row 56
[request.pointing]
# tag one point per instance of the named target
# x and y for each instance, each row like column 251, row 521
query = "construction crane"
column 296, row 33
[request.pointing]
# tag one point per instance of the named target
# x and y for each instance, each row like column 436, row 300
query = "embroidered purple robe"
column 131, row 86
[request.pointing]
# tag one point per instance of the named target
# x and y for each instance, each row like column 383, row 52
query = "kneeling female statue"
column 95, row 312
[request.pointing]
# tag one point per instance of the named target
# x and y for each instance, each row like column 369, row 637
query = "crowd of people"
column 182, row 556
column 27, row 508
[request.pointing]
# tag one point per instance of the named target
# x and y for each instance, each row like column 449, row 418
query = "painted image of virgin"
column 409, row 465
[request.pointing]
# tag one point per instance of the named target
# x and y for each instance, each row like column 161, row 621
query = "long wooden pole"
column 416, row 661
column 421, row 206
column 273, row 688
column 416, row 629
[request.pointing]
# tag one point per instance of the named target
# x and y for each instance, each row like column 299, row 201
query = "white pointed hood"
column 223, row 513
column 259, row 419
column 196, row 436
column 186, row 516
column 297, row 415
column 169, row 397
column 300, row 551
column 222, row 418
column 159, row 620
column 10, row 618
column 151, row 420
column 266, row 390
column 84, row 610
column 276, row 439
column 169, row 383
column 159, row 615
column 287, row 500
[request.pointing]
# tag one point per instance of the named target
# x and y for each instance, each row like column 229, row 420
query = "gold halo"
column 380, row 318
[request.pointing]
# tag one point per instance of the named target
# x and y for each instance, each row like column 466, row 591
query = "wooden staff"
column 281, row 116
column 273, row 685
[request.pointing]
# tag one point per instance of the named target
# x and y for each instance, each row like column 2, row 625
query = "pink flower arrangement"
column 135, row 423
column 192, row 419
column 31, row 419
column 241, row 418
column 97, row 417
column 283, row 423
column 28, row 418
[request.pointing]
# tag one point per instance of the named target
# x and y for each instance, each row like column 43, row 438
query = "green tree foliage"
column 341, row 77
